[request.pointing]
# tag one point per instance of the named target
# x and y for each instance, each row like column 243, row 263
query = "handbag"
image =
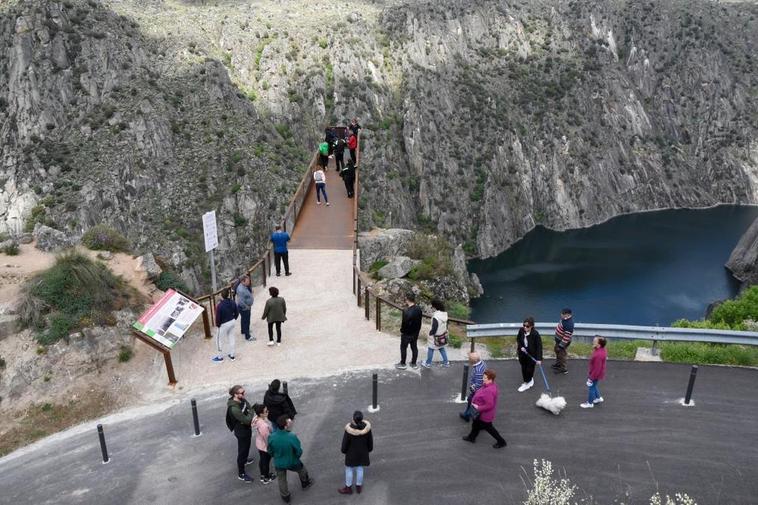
column 440, row 340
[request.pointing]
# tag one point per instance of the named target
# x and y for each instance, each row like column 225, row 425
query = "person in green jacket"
column 275, row 313
column 323, row 154
column 284, row 447
column 239, row 415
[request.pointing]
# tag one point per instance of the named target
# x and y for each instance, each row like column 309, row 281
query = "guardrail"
column 654, row 333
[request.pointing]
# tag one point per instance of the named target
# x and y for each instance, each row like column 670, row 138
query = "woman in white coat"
column 438, row 337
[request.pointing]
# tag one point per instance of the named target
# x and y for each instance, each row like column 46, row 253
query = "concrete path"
column 639, row 441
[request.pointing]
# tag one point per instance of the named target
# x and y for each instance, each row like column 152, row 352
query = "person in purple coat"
column 595, row 372
column 485, row 402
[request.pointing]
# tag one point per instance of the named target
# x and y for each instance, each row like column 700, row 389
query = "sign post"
column 210, row 234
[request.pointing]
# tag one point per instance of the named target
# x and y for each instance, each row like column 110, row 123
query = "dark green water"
column 646, row 269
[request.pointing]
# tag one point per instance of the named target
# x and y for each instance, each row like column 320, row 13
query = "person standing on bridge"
column 319, row 177
column 286, row 450
column 563, row 334
column 348, row 177
column 529, row 345
column 339, row 155
column 244, row 304
column 280, row 239
column 352, row 145
column 323, row 154
column 354, row 126
column 275, row 313
column 409, row 330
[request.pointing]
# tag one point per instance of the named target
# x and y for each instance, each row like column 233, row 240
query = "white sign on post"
column 209, row 231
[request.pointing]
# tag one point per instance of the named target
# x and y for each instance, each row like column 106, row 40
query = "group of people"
column 333, row 146
column 275, row 441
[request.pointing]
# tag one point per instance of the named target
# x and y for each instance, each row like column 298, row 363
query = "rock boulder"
column 379, row 244
column 743, row 262
column 397, row 268
column 50, row 239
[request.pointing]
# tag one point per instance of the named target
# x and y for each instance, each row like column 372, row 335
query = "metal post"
column 358, row 292
column 367, row 304
column 374, row 391
column 213, row 271
column 693, row 375
column 472, row 344
column 284, row 388
column 378, row 314
column 353, row 279
column 195, row 420
column 464, row 382
column 103, row 448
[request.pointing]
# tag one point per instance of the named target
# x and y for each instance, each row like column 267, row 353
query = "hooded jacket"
column 262, row 431
column 243, row 414
column 278, row 404
column 439, row 327
column 357, row 443
column 285, row 448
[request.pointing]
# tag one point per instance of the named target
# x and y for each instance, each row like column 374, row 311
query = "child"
column 596, row 372
column 319, row 177
column 263, row 429
column 275, row 313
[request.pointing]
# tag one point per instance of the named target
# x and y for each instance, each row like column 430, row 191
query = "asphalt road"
column 639, row 441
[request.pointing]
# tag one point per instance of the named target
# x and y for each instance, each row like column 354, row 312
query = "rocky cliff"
column 743, row 262
column 482, row 118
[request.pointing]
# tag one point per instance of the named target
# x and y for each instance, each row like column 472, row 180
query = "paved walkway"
column 638, row 441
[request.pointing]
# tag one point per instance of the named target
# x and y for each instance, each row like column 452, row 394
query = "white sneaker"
column 586, row 405
column 270, row 343
column 526, row 385
column 318, row 203
column 327, row 204
column 278, row 344
column 598, row 400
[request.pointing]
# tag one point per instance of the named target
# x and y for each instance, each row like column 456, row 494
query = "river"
column 648, row 268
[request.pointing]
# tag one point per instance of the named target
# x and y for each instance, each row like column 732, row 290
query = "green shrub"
column 170, row 280
column 701, row 323
column 125, row 353
column 11, row 249
column 104, row 238
column 730, row 315
column 436, row 257
column 709, row 354
column 64, row 298
column 458, row 310
column 456, row 341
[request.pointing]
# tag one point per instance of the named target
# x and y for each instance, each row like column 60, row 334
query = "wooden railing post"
column 367, row 304
column 213, row 308
column 378, row 314
column 358, row 292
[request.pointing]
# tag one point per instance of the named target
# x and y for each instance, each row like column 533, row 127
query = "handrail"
column 629, row 332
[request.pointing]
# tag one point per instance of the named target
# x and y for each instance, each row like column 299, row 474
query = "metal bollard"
column 464, row 382
column 284, row 386
column 374, row 391
column 693, row 375
column 195, row 420
column 103, row 448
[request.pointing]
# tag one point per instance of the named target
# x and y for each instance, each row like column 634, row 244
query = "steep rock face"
column 743, row 262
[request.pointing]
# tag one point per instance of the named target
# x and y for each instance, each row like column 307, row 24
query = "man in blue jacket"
column 280, row 239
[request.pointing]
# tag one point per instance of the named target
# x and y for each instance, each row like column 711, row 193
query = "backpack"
column 231, row 422
column 318, row 177
column 323, row 148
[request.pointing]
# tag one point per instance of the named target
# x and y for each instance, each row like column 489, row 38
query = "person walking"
column 348, row 177
column 239, row 416
column 275, row 313
column 278, row 404
column 475, row 382
column 438, row 337
column 352, row 145
column 319, row 177
column 563, row 334
column 485, row 402
column 528, row 343
column 323, row 154
column 226, row 315
column 339, row 154
column 596, row 372
column 284, row 447
column 357, row 443
column 409, row 330
column 263, row 429
column 281, row 254
column 244, row 304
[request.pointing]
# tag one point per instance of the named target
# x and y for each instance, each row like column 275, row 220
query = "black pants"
column 404, row 341
column 352, row 156
column 527, row 367
column 479, row 425
column 350, row 186
column 339, row 160
column 278, row 331
column 243, row 451
column 323, row 160
column 264, row 464
column 278, row 257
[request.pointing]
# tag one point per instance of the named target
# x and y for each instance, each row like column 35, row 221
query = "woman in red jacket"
column 485, row 403
column 596, row 372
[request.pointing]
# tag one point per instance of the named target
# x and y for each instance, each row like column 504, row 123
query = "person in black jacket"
column 339, row 154
column 357, row 443
column 348, row 177
column 277, row 403
column 528, row 343
column 409, row 330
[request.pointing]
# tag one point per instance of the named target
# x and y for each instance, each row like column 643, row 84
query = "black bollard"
column 693, row 374
column 195, row 420
column 103, row 448
column 464, row 382
column 284, row 386
column 374, row 391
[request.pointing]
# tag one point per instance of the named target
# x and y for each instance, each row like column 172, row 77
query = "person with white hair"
column 476, row 379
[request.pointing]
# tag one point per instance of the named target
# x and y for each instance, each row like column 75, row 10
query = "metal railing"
column 653, row 333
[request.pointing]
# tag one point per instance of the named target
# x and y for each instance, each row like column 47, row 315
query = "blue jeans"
column 321, row 188
column 430, row 355
column 245, row 323
column 349, row 475
column 594, row 392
